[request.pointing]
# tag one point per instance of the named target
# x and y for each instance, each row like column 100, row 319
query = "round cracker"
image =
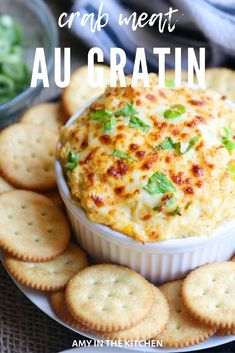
column 51, row 275
column 27, row 156
column 48, row 115
column 182, row 330
column 5, row 186
column 152, row 325
column 32, row 228
column 79, row 92
column 221, row 80
column 208, row 294
column 109, row 297
column 58, row 304
column 225, row 332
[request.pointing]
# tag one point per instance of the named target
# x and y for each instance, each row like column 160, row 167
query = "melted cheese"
column 111, row 190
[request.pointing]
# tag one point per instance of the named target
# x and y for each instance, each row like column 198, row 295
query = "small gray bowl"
column 39, row 30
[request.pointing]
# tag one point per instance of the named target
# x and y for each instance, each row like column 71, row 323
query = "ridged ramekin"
column 159, row 262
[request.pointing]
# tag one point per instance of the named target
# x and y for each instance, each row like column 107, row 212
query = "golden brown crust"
column 108, row 297
column 115, row 166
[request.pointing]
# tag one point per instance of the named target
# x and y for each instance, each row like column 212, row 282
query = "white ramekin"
column 159, row 262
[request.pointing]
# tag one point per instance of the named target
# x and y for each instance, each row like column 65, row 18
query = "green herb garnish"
column 194, row 140
column 72, row 161
column 177, row 211
column 127, row 110
column 169, row 83
column 231, row 169
column 170, row 202
column 104, row 116
column 123, row 155
column 158, row 183
column 137, row 123
column 227, row 140
column 14, row 74
column 174, row 111
column 168, row 144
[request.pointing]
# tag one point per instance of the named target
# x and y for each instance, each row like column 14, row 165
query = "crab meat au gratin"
column 154, row 164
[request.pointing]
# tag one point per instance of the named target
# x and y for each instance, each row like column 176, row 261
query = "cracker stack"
column 103, row 299
column 113, row 302
column 35, row 235
column 34, row 230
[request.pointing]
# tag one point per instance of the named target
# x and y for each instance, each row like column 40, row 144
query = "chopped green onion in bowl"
column 14, row 74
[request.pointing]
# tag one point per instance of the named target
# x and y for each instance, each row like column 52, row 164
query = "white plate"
column 94, row 350
column 41, row 300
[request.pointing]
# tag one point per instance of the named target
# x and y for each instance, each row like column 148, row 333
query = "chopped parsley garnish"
column 123, row 155
column 194, row 140
column 158, row 183
column 72, row 161
column 127, row 110
column 168, row 144
column 177, row 211
column 170, row 202
column 231, row 169
column 227, row 140
column 137, row 123
column 174, row 111
column 106, row 117
column 169, row 83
